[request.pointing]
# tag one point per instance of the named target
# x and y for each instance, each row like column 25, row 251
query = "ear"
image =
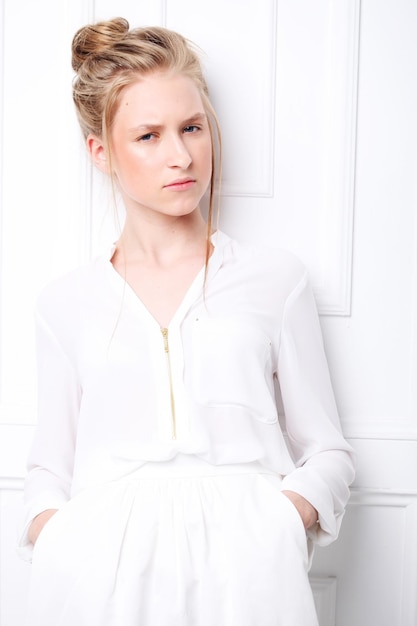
column 98, row 153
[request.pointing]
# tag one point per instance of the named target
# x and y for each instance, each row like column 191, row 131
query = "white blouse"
column 116, row 390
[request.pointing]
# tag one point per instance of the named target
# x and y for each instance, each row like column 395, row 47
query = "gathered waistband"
column 187, row 465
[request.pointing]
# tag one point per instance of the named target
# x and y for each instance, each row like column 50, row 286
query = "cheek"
column 206, row 158
column 129, row 165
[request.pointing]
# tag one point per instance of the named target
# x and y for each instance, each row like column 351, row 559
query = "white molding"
column 409, row 587
column 11, row 484
column 2, row 38
column 408, row 575
column 333, row 291
column 15, row 441
column 164, row 12
column 261, row 185
column 79, row 14
column 399, row 429
column 375, row 555
column 324, row 592
column 385, row 465
column 381, row 498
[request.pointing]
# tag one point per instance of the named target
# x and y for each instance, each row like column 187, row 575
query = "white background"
column 318, row 105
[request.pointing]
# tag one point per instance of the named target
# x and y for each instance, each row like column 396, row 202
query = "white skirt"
column 175, row 544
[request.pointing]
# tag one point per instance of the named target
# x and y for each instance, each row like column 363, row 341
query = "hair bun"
column 95, row 39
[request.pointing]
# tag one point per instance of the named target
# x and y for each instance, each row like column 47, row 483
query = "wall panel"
column 14, row 573
column 248, row 64
column 374, row 352
column 316, row 135
column 42, row 213
column 373, row 563
column 320, row 143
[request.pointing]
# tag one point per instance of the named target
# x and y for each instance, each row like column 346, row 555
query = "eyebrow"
column 197, row 117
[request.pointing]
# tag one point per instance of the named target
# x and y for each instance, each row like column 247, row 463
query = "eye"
column 192, row 128
column 147, row 137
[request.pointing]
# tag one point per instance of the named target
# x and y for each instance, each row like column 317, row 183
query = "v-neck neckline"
column 191, row 294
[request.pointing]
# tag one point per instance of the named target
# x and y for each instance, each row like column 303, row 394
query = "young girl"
column 161, row 490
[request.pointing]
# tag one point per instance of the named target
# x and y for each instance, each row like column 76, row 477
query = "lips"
column 180, row 184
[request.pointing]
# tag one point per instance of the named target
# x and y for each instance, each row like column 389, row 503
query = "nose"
column 178, row 154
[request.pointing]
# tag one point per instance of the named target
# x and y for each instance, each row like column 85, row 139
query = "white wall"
column 317, row 101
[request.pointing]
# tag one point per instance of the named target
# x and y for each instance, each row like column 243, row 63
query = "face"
column 161, row 145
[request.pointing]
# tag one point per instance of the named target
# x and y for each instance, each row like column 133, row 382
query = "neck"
column 163, row 240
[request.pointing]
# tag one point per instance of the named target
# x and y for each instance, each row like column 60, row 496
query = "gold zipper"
column 164, row 332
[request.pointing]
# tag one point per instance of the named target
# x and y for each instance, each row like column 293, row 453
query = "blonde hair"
column 108, row 56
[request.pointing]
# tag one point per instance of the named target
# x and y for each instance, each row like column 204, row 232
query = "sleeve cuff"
column 329, row 521
column 24, row 545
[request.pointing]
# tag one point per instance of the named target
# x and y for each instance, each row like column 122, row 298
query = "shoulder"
column 78, row 285
column 269, row 265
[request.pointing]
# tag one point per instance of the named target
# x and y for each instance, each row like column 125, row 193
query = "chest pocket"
column 232, row 366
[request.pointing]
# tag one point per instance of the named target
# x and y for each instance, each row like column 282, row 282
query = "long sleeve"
column 104, row 391
column 324, row 460
column 51, row 458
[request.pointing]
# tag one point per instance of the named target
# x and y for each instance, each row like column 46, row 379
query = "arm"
column 50, row 462
column 323, row 458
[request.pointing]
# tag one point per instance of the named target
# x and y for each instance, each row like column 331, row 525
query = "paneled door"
column 317, row 101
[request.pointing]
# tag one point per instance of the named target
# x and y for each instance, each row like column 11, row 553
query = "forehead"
column 159, row 95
